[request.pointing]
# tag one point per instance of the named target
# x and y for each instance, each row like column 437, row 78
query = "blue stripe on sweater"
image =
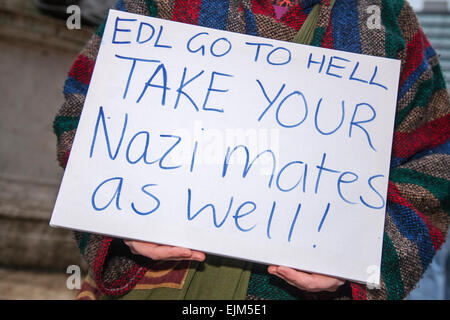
column 443, row 149
column 74, row 86
column 345, row 21
column 414, row 229
column 250, row 23
column 396, row 161
column 120, row 5
column 308, row 4
column 214, row 14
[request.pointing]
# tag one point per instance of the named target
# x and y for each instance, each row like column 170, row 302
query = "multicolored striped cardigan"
column 418, row 195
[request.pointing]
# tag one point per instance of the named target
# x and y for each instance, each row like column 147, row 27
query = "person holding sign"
column 417, row 203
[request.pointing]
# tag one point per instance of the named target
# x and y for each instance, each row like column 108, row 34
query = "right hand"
column 163, row 252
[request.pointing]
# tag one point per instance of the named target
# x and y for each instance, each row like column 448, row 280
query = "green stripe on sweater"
column 390, row 270
column 100, row 29
column 64, row 124
column 318, row 36
column 83, row 242
column 262, row 285
column 437, row 186
column 394, row 38
column 152, row 9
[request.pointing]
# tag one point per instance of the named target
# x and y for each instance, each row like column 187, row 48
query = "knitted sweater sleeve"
column 418, row 193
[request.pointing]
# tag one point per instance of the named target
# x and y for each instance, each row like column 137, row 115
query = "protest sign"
column 235, row 145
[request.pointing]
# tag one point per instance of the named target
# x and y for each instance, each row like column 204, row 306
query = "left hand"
column 311, row 282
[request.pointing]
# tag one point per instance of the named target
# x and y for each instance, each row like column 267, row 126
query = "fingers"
column 163, row 252
column 302, row 280
column 306, row 281
column 160, row 252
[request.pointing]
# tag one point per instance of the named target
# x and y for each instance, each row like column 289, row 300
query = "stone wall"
column 36, row 53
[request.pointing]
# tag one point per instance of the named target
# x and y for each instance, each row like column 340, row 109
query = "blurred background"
column 37, row 47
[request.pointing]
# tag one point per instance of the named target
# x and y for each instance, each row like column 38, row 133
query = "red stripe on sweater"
column 358, row 291
column 427, row 136
column 186, row 11
column 294, row 17
column 121, row 285
column 414, row 56
column 263, row 7
column 99, row 262
column 327, row 41
column 65, row 158
column 82, row 69
column 436, row 235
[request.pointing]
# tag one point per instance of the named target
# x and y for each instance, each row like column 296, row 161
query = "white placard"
column 236, row 145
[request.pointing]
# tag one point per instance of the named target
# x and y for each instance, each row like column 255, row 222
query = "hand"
column 162, row 252
column 311, row 282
